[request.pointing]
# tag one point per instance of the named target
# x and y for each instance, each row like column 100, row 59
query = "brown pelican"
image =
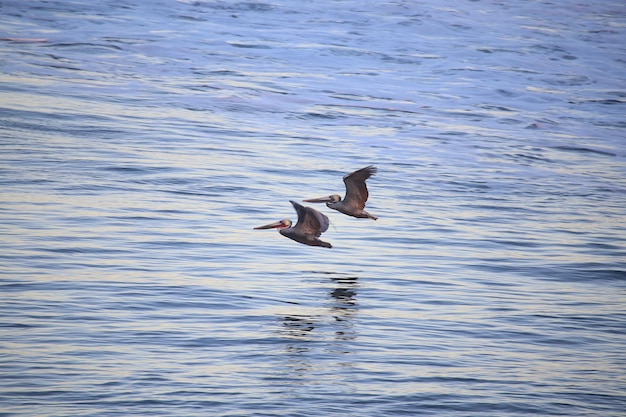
column 356, row 195
column 310, row 226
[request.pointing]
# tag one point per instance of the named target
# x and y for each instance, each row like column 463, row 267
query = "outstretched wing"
column 310, row 221
column 356, row 190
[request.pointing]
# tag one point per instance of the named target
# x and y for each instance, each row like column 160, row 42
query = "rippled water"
column 142, row 142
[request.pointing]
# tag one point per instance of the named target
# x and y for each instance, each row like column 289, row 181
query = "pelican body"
column 353, row 203
column 309, row 227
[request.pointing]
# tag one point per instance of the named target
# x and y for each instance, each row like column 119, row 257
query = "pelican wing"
column 356, row 190
column 310, row 221
column 321, row 219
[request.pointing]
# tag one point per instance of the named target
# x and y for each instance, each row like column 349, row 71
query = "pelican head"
column 331, row 199
column 281, row 224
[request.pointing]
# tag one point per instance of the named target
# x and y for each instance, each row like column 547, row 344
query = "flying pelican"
column 356, row 195
column 309, row 227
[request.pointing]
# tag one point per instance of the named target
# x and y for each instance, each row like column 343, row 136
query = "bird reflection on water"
column 342, row 306
column 310, row 337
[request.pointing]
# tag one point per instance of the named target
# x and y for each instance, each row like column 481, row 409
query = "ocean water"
column 141, row 143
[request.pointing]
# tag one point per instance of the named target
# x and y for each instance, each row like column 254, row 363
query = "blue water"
column 141, row 142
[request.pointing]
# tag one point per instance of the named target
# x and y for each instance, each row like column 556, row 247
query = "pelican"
column 356, row 195
column 309, row 227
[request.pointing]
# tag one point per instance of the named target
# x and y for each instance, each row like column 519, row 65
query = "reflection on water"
column 310, row 338
column 344, row 306
column 341, row 309
column 297, row 327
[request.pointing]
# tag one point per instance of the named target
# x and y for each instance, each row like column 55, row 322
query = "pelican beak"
column 271, row 226
column 319, row 200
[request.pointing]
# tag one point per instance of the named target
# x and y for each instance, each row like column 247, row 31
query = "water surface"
column 142, row 142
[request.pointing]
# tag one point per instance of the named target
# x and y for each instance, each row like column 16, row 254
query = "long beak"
column 270, row 226
column 319, row 200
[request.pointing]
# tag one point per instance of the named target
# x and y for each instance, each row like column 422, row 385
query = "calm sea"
column 142, row 141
